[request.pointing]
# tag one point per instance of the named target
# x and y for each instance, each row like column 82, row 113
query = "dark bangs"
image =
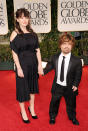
column 22, row 12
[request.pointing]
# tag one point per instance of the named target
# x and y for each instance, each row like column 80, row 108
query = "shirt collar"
column 67, row 55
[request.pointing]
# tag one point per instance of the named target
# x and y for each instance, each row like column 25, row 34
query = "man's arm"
column 78, row 74
column 49, row 66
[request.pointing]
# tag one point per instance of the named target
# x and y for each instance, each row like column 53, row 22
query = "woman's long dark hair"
column 19, row 13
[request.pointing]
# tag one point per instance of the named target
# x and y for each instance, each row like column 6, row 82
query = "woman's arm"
column 15, row 57
column 40, row 69
column 16, row 61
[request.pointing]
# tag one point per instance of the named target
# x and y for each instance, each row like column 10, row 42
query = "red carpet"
column 10, row 119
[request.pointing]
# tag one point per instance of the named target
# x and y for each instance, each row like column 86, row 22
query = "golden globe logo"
column 38, row 13
column 74, row 12
column 2, row 21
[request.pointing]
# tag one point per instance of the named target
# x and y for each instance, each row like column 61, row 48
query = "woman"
column 27, row 58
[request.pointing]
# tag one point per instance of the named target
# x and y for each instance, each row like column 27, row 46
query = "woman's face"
column 23, row 21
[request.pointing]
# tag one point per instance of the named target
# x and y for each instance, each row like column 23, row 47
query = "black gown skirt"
column 25, row 45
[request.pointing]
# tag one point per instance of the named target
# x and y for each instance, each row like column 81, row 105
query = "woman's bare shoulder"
column 13, row 35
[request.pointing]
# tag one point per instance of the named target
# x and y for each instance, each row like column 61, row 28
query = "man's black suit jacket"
column 73, row 74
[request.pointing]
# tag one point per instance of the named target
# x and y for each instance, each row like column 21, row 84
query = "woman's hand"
column 40, row 70
column 74, row 88
column 20, row 72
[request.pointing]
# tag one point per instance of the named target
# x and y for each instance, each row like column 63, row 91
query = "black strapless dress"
column 25, row 45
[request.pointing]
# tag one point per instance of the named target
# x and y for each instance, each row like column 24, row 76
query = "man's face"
column 66, row 47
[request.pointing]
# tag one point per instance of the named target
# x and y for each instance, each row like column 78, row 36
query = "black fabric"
column 25, row 45
column 62, row 70
column 74, row 71
column 13, row 46
column 70, row 98
column 73, row 78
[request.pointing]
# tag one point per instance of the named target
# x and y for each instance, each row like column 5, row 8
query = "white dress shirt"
column 66, row 64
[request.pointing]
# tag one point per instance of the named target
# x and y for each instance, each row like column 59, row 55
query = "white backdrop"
column 40, row 13
column 3, row 18
column 72, row 15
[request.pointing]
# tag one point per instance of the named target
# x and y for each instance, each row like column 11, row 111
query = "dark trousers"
column 70, row 98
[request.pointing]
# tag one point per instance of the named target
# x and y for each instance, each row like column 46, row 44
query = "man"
column 68, row 71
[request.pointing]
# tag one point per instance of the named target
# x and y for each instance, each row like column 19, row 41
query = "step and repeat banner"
column 3, row 18
column 40, row 13
column 72, row 15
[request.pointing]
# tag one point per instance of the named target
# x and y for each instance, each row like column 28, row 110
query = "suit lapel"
column 57, row 64
column 57, row 67
column 70, row 64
